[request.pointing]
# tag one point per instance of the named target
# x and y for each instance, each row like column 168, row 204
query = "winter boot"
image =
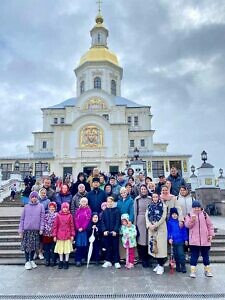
column 178, row 269
column 66, row 265
column 60, row 265
column 183, row 268
column 208, row 272
column 193, row 272
column 47, row 263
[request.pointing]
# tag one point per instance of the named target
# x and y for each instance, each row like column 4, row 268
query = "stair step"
column 9, row 226
column 10, row 238
column 6, row 218
column 10, row 245
column 13, row 253
column 9, row 231
column 9, row 221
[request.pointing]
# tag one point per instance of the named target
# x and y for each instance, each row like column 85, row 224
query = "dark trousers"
column 29, row 255
column 143, row 253
column 80, row 254
column 112, row 249
column 178, row 251
column 195, row 252
column 96, row 251
column 49, row 252
column 161, row 261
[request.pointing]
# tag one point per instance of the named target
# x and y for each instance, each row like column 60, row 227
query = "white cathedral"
column 98, row 127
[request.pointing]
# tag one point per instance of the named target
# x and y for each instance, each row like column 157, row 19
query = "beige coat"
column 160, row 234
column 173, row 202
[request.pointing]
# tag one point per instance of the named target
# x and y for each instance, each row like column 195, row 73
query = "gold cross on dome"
column 99, row 2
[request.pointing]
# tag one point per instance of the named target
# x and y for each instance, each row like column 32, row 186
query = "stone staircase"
column 7, row 202
column 10, row 252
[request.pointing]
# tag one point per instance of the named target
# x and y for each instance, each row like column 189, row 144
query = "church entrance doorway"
column 67, row 171
column 88, row 170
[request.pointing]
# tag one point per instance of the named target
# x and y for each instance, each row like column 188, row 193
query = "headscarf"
column 155, row 211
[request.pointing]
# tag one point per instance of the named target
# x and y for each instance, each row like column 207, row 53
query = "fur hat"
column 125, row 217
column 196, row 203
column 33, row 195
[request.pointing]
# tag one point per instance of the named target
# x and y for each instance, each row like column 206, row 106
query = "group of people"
column 124, row 218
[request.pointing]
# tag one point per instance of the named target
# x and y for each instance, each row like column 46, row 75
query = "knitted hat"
column 52, row 204
column 173, row 210
column 196, row 203
column 33, row 195
column 65, row 205
column 103, row 205
column 41, row 189
column 125, row 217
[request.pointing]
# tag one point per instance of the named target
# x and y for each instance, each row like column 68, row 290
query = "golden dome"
column 99, row 54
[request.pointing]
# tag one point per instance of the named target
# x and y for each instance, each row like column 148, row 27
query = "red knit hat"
column 52, row 204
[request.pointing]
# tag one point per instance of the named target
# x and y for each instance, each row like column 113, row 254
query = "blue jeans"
column 178, row 251
column 195, row 252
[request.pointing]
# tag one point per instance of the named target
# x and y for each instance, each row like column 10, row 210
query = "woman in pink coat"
column 201, row 232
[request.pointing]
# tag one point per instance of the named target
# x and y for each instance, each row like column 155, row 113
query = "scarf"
column 166, row 197
column 155, row 211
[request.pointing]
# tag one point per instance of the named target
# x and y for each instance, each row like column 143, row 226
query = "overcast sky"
column 172, row 53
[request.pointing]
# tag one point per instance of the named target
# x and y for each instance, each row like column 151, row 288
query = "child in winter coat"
column 129, row 233
column 110, row 229
column 81, row 219
column 95, row 228
column 30, row 228
column 177, row 237
column 201, row 232
column 63, row 233
column 48, row 243
column 43, row 199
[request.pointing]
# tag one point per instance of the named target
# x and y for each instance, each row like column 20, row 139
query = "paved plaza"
column 95, row 282
column 98, row 283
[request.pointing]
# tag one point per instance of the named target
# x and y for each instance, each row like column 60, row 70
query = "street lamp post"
column 193, row 170
column 204, row 156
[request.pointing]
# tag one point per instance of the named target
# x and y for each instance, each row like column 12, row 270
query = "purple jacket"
column 200, row 229
column 32, row 217
column 82, row 217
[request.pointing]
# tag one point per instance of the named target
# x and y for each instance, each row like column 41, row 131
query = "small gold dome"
column 99, row 54
column 99, row 19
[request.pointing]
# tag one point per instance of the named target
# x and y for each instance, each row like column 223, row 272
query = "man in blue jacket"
column 176, row 181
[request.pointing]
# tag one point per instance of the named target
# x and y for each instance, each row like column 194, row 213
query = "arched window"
column 113, row 87
column 99, row 38
column 97, row 83
column 82, row 87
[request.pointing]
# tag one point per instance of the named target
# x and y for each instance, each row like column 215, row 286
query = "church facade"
column 98, row 127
